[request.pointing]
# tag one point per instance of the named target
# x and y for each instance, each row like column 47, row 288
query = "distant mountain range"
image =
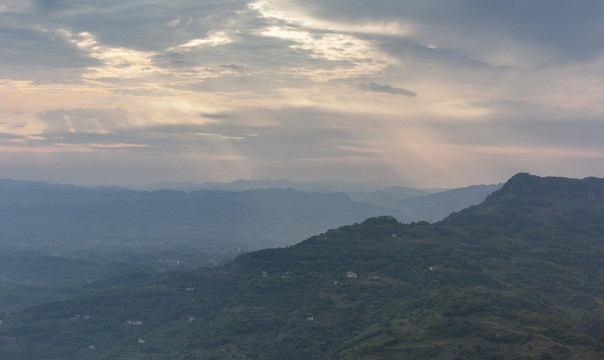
column 116, row 224
column 310, row 186
column 83, row 233
column 518, row 276
column 405, row 203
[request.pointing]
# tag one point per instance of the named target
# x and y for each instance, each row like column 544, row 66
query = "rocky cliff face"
column 588, row 189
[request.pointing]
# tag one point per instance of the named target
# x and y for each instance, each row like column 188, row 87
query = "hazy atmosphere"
column 301, row 179
column 419, row 93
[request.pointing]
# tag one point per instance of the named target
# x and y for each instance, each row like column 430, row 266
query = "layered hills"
column 160, row 227
column 86, row 234
column 519, row 276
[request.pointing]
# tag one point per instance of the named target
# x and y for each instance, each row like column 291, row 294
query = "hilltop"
column 517, row 277
column 524, row 184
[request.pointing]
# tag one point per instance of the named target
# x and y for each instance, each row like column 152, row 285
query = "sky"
column 419, row 93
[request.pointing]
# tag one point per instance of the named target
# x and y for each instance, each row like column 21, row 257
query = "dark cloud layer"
column 565, row 30
column 386, row 89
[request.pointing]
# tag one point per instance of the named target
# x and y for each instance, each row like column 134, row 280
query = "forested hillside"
column 519, row 276
column 84, row 233
column 199, row 228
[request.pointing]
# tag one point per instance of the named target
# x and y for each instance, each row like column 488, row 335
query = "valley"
column 517, row 277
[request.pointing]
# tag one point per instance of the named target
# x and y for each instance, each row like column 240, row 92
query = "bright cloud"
column 287, row 12
column 329, row 41
column 116, row 62
column 213, row 39
column 423, row 92
column 359, row 57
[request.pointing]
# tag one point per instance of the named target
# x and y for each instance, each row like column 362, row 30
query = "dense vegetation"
column 518, row 277
column 198, row 228
column 33, row 279
column 81, row 233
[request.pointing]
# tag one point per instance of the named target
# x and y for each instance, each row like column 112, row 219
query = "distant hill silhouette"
column 111, row 223
column 524, row 184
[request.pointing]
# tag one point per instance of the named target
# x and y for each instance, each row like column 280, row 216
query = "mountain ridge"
column 589, row 188
column 516, row 277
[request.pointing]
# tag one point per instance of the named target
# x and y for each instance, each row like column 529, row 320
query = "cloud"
column 213, row 39
column 386, row 89
column 341, row 55
column 511, row 33
column 292, row 12
column 30, row 53
column 347, row 54
column 93, row 121
column 147, row 25
column 116, row 62
column 117, row 146
column 14, row 6
column 304, row 89
column 216, row 115
column 43, row 34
